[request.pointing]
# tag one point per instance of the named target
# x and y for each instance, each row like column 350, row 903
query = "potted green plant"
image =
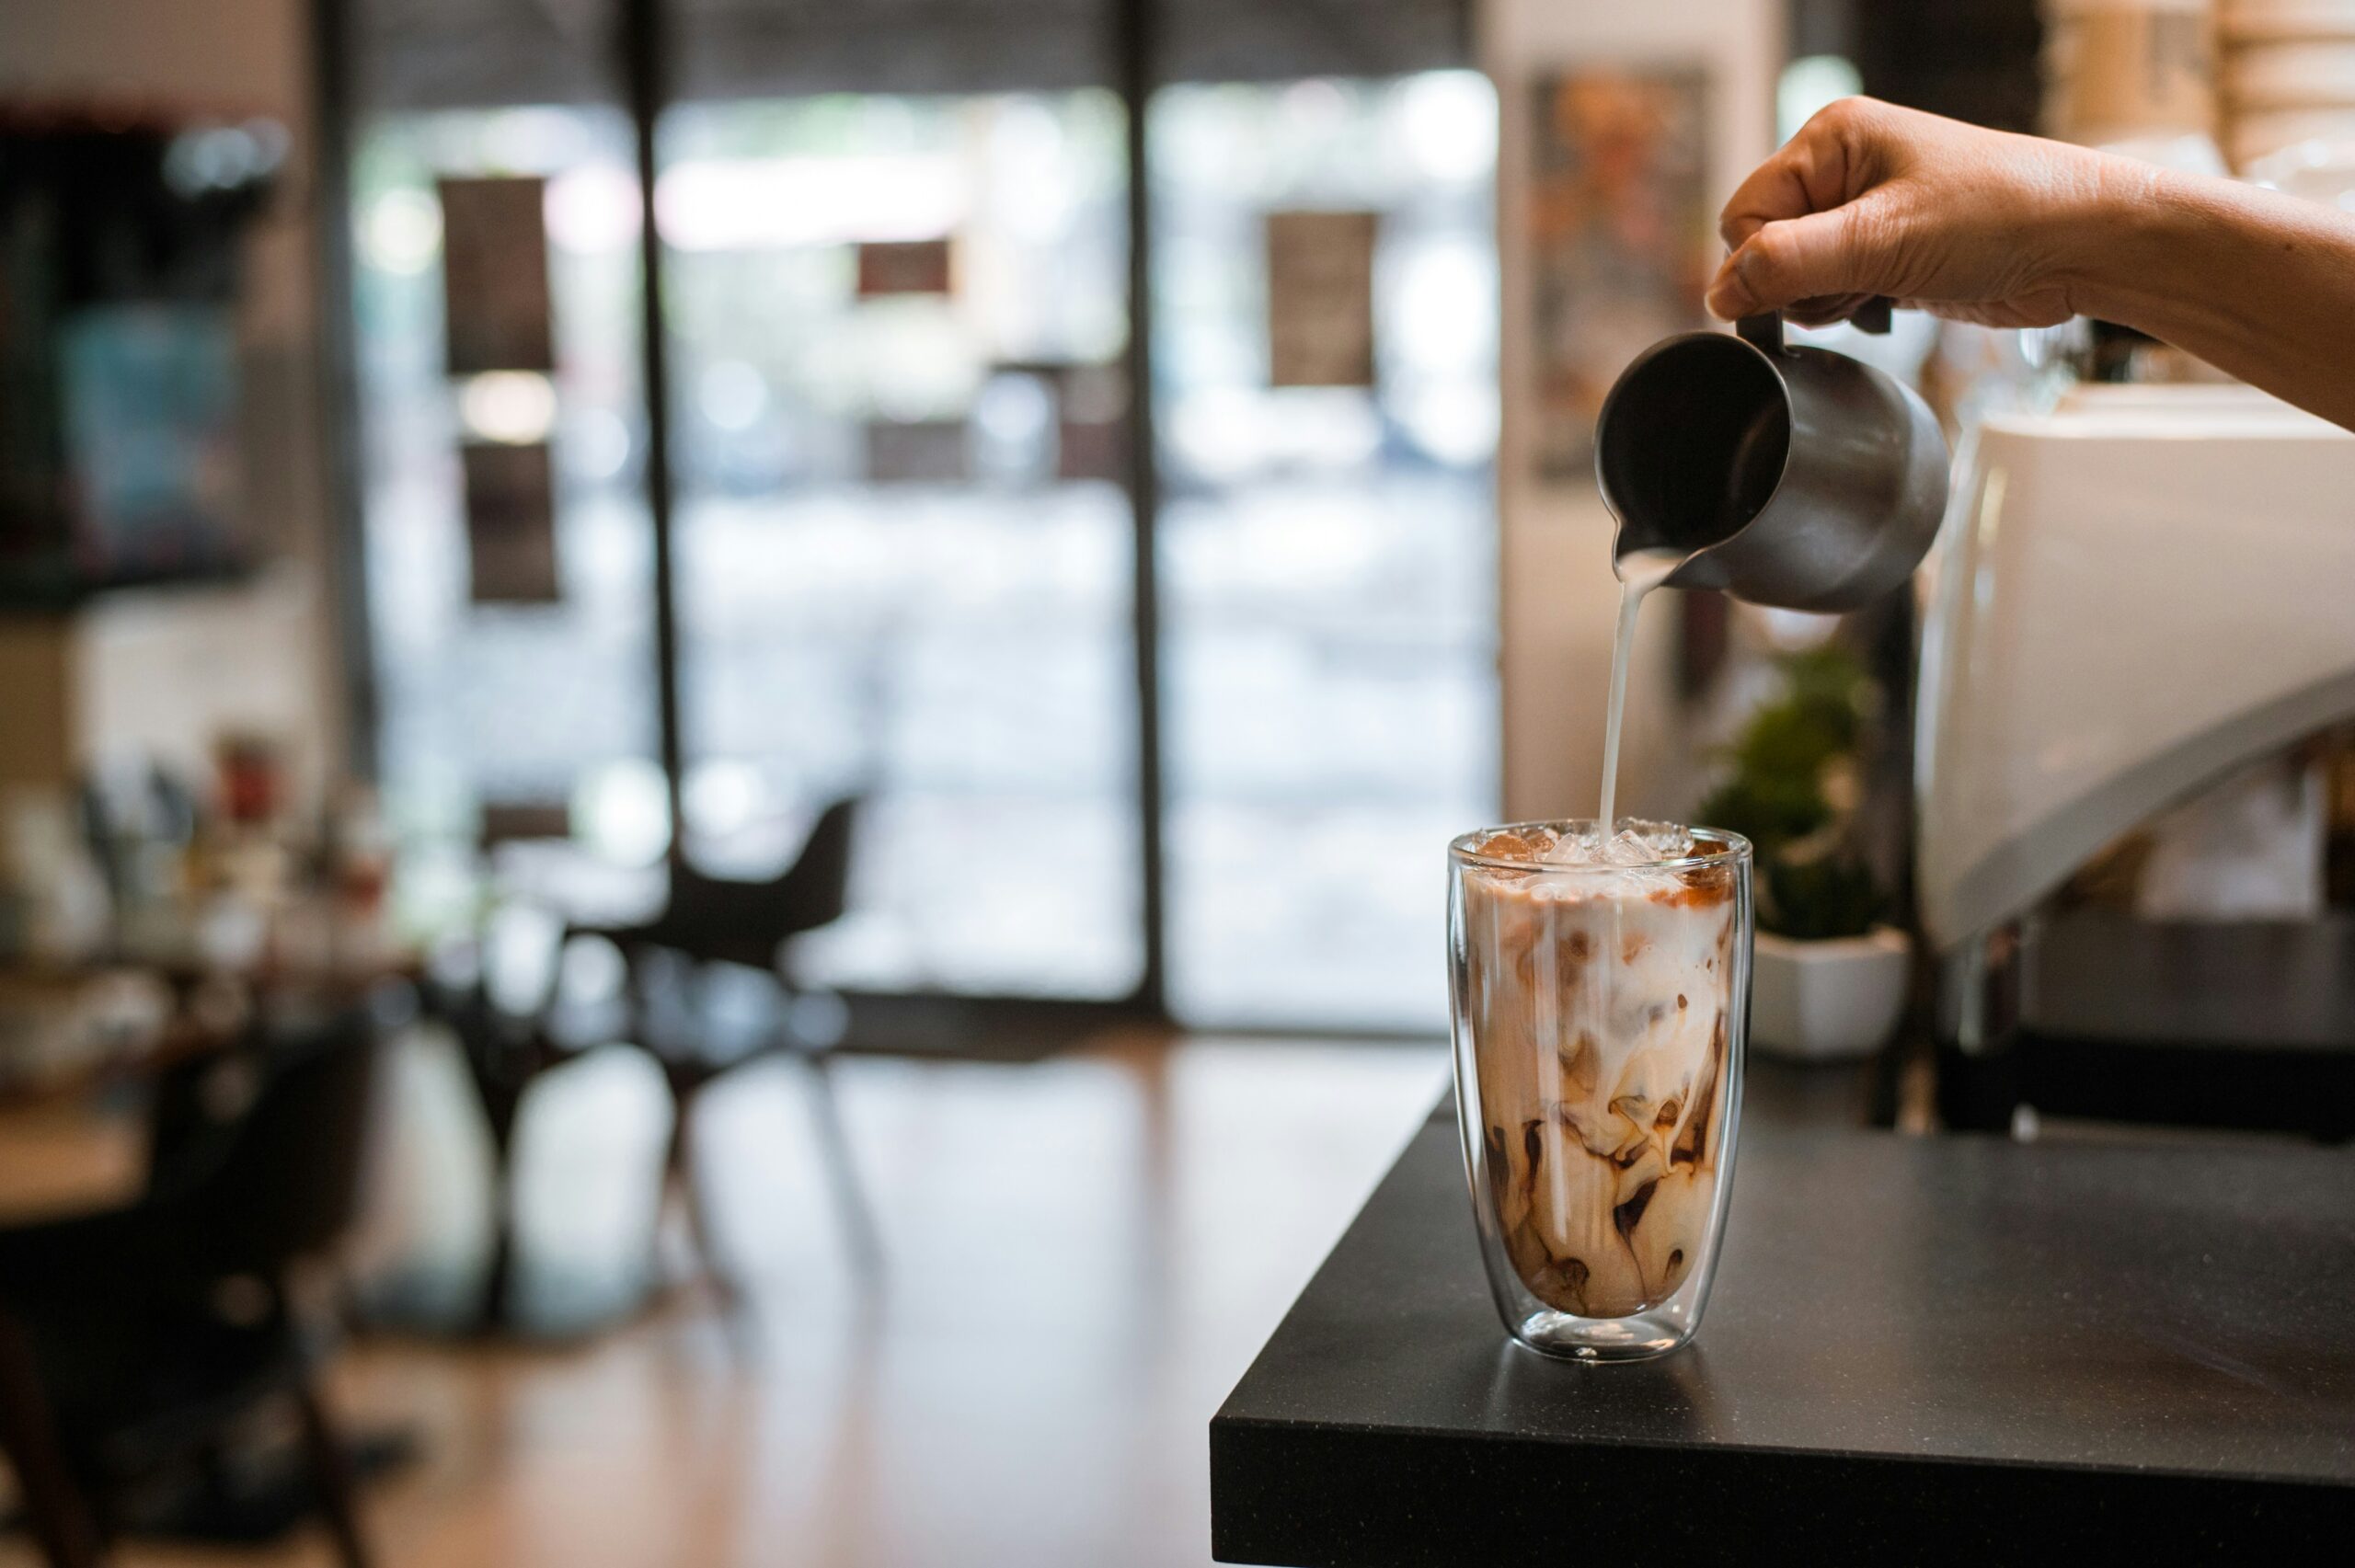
column 1830, row 976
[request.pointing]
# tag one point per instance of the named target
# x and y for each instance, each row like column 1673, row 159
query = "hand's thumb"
column 1792, row 260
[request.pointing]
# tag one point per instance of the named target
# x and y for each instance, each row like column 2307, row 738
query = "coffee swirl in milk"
column 1599, row 998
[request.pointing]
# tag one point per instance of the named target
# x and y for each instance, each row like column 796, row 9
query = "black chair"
column 714, row 920
column 139, row 1338
column 709, row 992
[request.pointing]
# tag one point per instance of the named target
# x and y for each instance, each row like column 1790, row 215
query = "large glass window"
column 903, row 540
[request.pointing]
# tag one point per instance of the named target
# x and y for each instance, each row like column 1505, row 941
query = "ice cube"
column 1635, row 843
column 1508, row 845
column 1579, row 847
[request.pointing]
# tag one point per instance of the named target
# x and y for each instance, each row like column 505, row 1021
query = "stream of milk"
column 1639, row 572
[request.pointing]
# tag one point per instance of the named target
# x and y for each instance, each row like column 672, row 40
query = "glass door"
column 1327, row 551
column 904, row 547
column 519, row 677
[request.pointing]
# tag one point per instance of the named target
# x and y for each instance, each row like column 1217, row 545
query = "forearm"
column 2260, row 285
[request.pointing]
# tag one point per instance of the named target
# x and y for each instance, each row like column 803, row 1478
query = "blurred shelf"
column 38, row 593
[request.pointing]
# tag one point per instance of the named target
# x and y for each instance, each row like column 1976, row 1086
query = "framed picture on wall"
column 1621, row 237
column 149, row 394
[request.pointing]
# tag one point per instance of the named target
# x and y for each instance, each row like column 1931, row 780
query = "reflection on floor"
column 1082, row 1255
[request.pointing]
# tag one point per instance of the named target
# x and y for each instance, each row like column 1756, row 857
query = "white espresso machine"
column 2138, row 652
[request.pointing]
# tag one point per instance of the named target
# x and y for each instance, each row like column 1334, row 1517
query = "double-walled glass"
column 1600, row 1011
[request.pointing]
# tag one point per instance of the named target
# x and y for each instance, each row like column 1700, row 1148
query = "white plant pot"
column 1831, row 1001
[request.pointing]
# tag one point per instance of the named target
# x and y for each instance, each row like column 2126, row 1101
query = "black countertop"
column 1918, row 1350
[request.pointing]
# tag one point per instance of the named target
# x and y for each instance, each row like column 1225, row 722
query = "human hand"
column 1968, row 224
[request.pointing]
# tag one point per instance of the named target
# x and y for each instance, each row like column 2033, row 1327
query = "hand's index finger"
column 1810, row 174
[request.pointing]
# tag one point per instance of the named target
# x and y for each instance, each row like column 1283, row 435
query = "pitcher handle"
column 1764, row 330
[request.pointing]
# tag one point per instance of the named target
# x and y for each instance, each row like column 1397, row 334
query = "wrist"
column 2118, row 235
column 2162, row 240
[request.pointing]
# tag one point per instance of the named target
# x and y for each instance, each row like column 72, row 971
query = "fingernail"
column 1727, row 300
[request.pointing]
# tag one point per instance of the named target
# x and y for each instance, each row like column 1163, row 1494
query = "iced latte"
column 1600, row 990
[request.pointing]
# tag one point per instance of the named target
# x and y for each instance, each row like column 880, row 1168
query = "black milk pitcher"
column 1785, row 474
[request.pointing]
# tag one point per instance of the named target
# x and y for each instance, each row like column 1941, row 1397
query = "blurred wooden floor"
column 1082, row 1255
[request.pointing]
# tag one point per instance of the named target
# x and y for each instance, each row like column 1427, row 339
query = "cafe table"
column 74, row 1032
column 1919, row 1350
